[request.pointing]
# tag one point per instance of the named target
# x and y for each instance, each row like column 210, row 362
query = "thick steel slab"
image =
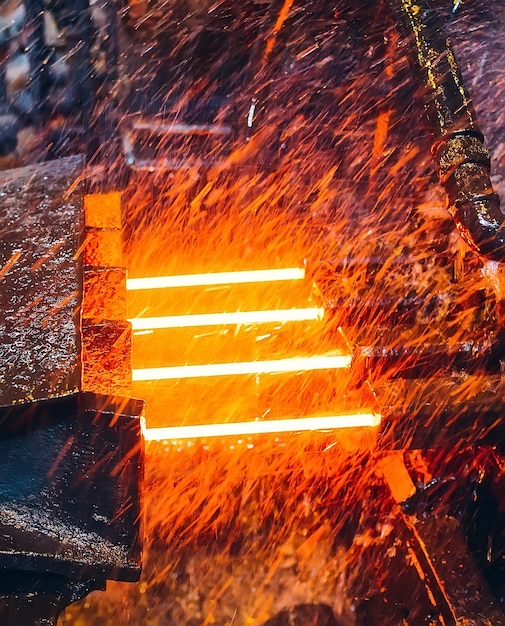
column 41, row 233
column 70, row 480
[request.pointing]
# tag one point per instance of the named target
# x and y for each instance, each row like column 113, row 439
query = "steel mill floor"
column 241, row 528
column 293, row 142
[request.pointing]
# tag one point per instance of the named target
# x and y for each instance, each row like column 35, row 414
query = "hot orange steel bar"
column 219, row 278
column 333, row 422
column 297, row 364
column 232, row 318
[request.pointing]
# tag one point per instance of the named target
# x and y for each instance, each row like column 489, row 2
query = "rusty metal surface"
column 41, row 231
column 441, row 541
column 441, row 524
column 462, row 159
column 305, row 615
column 104, row 293
column 106, row 348
column 73, row 510
column 442, row 412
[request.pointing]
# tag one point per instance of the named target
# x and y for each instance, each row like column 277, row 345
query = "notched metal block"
column 106, row 357
column 104, row 293
column 103, row 210
column 103, row 247
column 70, row 481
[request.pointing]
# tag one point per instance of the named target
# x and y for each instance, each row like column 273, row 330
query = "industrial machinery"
column 258, row 177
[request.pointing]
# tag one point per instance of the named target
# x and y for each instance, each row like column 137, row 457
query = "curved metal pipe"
column 462, row 159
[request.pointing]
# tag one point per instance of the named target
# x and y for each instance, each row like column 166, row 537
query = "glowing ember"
column 298, row 424
column 297, row 364
column 217, row 278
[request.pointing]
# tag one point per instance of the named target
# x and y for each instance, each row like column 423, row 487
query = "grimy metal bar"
column 38, row 54
column 462, row 159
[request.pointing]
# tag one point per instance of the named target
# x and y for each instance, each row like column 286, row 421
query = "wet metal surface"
column 75, row 509
column 449, row 411
column 41, row 230
column 441, row 540
column 462, row 160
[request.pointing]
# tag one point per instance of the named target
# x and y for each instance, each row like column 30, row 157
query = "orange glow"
column 323, row 423
column 236, row 318
column 217, row 278
column 281, row 18
column 297, row 364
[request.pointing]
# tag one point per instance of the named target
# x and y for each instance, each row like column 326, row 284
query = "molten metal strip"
column 297, row 364
column 219, row 278
column 233, row 318
column 333, row 422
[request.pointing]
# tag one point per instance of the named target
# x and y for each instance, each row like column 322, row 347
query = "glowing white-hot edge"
column 300, row 424
column 297, row 364
column 235, row 318
column 220, row 278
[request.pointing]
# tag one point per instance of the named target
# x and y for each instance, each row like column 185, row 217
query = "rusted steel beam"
column 463, row 161
column 430, row 524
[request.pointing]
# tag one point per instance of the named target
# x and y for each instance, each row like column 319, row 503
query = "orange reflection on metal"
column 300, row 424
column 297, row 364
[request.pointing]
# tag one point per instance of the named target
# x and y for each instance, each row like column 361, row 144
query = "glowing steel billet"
column 333, row 422
column 220, row 278
column 297, row 364
column 236, row 317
